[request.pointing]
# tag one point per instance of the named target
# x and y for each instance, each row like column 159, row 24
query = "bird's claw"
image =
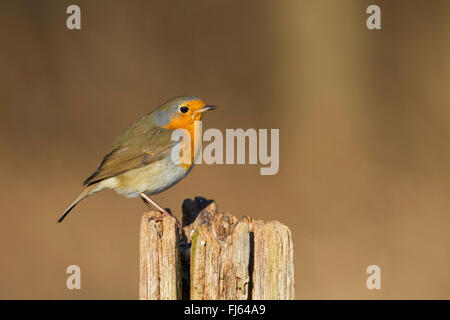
column 167, row 213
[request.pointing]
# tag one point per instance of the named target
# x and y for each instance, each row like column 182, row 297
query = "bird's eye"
column 184, row 109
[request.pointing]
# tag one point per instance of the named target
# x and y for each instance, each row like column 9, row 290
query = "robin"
column 139, row 163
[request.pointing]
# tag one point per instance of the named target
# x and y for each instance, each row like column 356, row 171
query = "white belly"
column 151, row 179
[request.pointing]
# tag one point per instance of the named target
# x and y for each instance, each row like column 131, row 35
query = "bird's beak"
column 206, row 107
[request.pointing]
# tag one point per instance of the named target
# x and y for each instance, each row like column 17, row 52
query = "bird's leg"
column 149, row 201
column 147, row 204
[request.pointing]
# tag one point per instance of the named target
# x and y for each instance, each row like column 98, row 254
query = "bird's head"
column 181, row 112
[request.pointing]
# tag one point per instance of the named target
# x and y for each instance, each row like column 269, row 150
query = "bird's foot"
column 166, row 213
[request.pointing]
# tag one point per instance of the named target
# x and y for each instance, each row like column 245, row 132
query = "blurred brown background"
column 364, row 131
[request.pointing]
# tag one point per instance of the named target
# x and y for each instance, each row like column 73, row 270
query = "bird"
column 139, row 163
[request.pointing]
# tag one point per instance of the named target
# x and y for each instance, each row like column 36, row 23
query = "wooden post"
column 273, row 271
column 218, row 256
column 160, row 267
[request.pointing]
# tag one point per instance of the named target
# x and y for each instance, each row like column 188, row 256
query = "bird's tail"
column 87, row 192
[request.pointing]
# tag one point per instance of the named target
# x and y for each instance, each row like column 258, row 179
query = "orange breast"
column 187, row 122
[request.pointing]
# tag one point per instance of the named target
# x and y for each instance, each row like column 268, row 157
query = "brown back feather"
column 133, row 150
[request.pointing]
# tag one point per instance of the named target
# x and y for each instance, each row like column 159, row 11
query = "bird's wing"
column 134, row 149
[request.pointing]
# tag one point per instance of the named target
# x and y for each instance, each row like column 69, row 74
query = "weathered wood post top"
column 215, row 256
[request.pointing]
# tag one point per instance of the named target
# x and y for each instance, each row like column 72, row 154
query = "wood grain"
column 160, row 267
column 217, row 257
